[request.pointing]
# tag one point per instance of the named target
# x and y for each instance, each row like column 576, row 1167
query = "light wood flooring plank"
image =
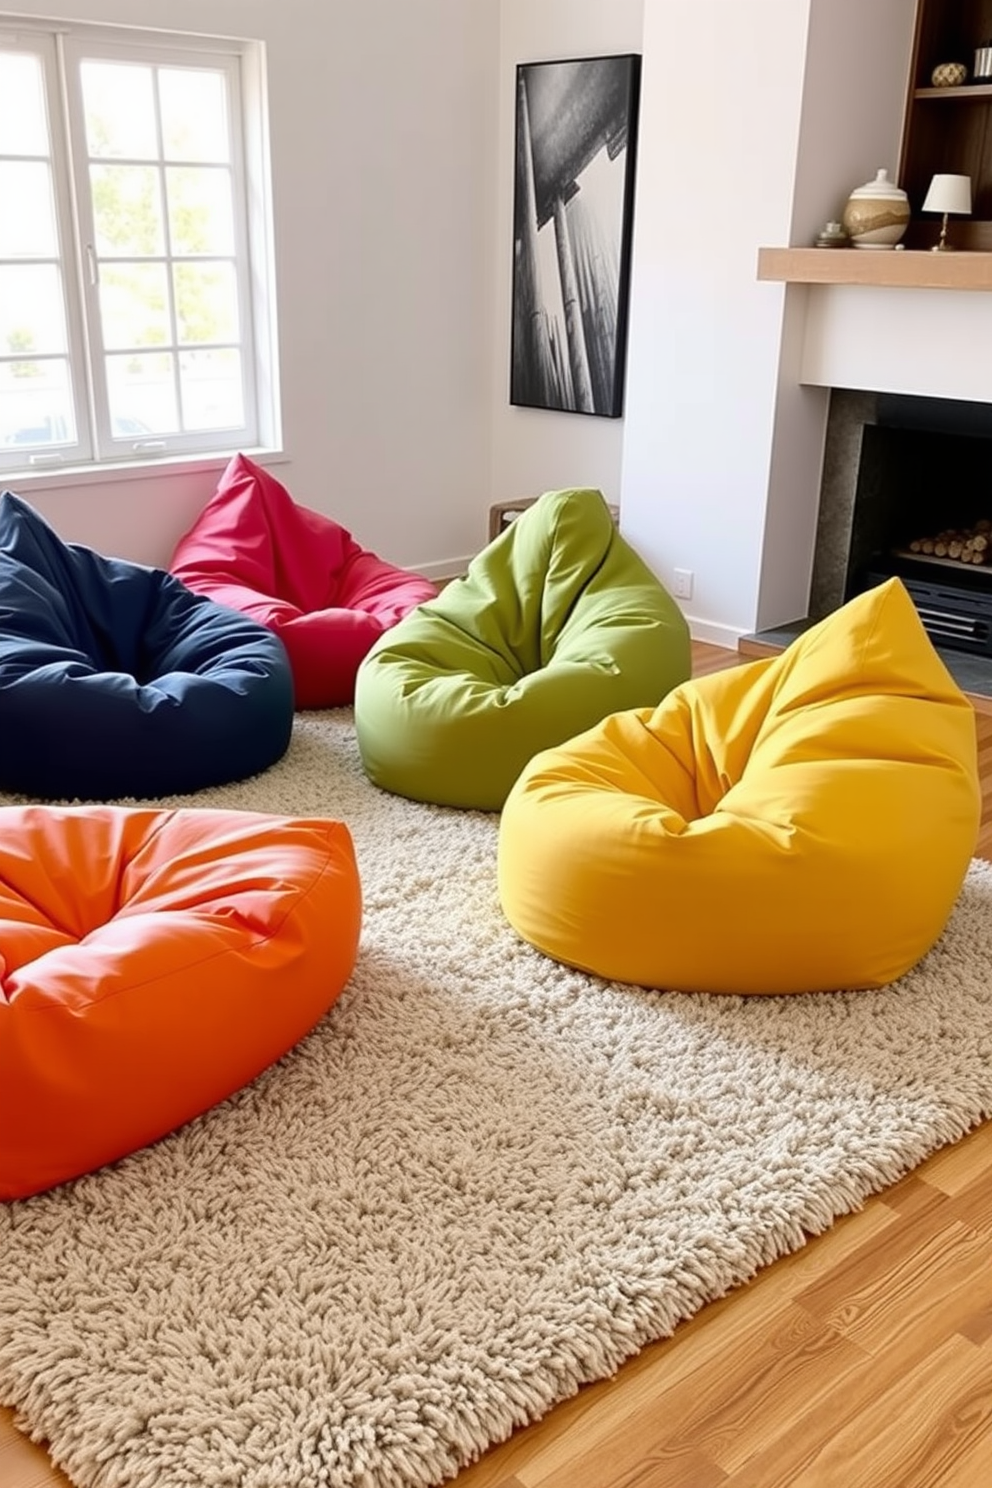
column 906, row 1436
column 22, row 1464
column 921, row 1285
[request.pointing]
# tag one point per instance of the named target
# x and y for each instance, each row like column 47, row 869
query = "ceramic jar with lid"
column 877, row 213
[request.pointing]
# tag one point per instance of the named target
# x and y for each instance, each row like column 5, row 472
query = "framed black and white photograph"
column 573, row 202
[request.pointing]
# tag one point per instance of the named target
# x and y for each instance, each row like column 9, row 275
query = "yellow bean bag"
column 795, row 824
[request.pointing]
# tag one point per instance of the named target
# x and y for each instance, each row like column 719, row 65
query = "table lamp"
column 949, row 195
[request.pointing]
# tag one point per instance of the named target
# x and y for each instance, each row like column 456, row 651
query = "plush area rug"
column 481, row 1181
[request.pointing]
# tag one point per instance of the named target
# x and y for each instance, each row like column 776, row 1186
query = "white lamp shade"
column 949, row 194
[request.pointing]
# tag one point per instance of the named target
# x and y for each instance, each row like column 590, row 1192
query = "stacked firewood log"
column 965, row 544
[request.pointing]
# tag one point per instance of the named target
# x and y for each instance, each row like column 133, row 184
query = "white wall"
column 383, row 161
column 535, row 449
column 759, row 116
column 392, row 155
column 721, row 110
column 927, row 343
column 854, row 95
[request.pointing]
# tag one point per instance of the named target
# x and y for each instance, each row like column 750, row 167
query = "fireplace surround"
column 898, row 468
column 900, row 474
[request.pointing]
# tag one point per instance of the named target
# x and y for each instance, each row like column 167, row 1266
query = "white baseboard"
column 714, row 634
column 444, row 569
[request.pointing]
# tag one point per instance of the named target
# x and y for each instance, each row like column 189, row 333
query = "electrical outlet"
column 683, row 583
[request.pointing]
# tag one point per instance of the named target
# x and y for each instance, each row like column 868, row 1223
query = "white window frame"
column 61, row 49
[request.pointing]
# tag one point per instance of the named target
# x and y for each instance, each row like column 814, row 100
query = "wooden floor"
column 863, row 1361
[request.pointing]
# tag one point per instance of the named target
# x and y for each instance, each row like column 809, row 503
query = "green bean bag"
column 556, row 624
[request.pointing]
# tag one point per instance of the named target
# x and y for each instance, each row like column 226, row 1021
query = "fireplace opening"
column 922, row 510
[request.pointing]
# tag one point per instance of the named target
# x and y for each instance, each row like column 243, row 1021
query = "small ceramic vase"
column 832, row 236
column 877, row 214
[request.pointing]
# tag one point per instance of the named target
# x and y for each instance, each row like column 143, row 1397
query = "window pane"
column 29, row 230
column 212, row 389
column 194, row 114
column 201, row 216
column 119, row 109
column 134, row 308
column 127, row 210
column 32, row 317
column 206, row 302
column 142, row 390
column 23, row 122
column 156, row 320
column 35, row 404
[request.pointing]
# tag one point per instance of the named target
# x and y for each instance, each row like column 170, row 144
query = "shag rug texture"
column 481, row 1181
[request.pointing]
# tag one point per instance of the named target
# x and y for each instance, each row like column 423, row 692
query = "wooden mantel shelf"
column 893, row 269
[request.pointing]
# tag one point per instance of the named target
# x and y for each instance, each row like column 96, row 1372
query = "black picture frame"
column 575, row 150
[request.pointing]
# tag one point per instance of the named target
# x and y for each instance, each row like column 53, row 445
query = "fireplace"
column 907, row 491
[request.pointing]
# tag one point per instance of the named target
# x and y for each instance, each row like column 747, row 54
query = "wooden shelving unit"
column 949, row 129
column 896, row 269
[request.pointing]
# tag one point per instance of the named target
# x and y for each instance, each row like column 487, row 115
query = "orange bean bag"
column 152, row 962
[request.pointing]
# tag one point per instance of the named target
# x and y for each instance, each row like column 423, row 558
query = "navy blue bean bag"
column 118, row 681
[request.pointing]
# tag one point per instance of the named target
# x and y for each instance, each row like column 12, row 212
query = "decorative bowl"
column 949, row 74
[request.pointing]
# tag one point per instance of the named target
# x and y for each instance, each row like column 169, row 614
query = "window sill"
column 57, row 477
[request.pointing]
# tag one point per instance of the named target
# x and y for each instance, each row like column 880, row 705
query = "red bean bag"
column 152, row 962
column 296, row 571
